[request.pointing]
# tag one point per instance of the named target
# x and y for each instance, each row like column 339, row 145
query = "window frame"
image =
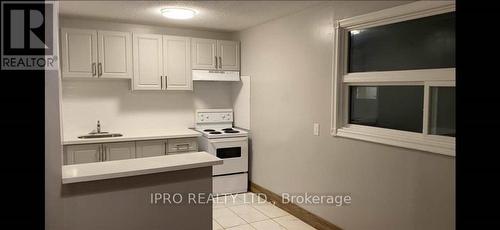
column 341, row 80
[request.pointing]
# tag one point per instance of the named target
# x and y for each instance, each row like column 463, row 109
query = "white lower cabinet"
column 150, row 148
column 119, row 151
column 88, row 153
column 80, row 154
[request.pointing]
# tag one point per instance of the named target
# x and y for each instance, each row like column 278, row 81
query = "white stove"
column 230, row 144
column 217, row 123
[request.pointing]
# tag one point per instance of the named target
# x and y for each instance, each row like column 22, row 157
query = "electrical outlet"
column 316, row 129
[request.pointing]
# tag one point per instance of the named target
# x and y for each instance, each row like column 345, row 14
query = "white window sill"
column 429, row 143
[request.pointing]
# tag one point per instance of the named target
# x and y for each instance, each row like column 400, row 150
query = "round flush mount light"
column 178, row 13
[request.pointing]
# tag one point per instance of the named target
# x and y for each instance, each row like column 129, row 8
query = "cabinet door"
column 119, row 151
column 150, row 148
column 177, row 63
column 148, row 62
column 229, row 55
column 79, row 53
column 203, row 53
column 115, row 54
column 79, row 154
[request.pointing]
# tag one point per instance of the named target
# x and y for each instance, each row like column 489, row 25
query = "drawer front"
column 182, row 145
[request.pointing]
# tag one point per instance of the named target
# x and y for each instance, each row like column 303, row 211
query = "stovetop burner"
column 209, row 130
column 227, row 129
column 231, row 131
column 215, row 132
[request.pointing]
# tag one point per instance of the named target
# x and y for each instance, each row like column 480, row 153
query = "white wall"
column 121, row 110
column 290, row 64
column 53, row 149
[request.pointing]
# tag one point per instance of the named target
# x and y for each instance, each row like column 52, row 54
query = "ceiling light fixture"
column 178, row 13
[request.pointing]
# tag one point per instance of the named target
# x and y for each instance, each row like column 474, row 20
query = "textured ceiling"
column 212, row 15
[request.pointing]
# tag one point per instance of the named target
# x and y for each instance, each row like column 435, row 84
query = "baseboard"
column 295, row 210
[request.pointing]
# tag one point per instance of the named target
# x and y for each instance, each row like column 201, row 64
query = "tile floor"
column 249, row 211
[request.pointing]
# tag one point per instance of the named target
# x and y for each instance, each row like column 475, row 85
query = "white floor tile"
column 270, row 210
column 241, row 227
column 228, row 200
column 216, row 226
column 248, row 213
column 292, row 223
column 267, row 225
column 226, row 218
column 231, row 212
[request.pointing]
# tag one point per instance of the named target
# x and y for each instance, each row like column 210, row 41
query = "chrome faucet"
column 98, row 127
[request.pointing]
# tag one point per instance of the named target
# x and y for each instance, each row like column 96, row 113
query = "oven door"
column 234, row 153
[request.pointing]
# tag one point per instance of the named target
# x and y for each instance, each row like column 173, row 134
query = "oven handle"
column 227, row 140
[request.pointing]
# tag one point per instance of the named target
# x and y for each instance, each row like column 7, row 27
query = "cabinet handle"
column 99, row 153
column 220, row 62
column 93, row 69
column 100, row 69
column 161, row 82
column 179, row 147
column 216, row 65
column 166, row 81
column 104, row 154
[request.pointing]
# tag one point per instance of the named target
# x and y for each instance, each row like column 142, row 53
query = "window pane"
column 442, row 111
column 424, row 43
column 392, row 107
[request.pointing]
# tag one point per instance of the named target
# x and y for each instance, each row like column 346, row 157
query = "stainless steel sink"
column 100, row 135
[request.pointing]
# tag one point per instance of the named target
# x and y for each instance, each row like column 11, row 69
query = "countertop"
column 137, row 166
column 134, row 136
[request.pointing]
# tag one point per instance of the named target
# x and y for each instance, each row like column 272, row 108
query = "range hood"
column 215, row 75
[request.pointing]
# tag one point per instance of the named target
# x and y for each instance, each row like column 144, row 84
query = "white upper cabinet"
column 177, row 63
column 215, row 54
column 79, row 52
column 115, row 54
column 91, row 53
column 204, row 53
column 148, row 62
column 228, row 54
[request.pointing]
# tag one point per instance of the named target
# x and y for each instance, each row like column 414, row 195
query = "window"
column 423, row 43
column 442, row 111
column 392, row 107
column 394, row 78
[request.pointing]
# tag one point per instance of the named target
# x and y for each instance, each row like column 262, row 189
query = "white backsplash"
column 121, row 110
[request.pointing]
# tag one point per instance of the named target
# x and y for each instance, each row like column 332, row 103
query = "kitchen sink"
column 100, row 135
